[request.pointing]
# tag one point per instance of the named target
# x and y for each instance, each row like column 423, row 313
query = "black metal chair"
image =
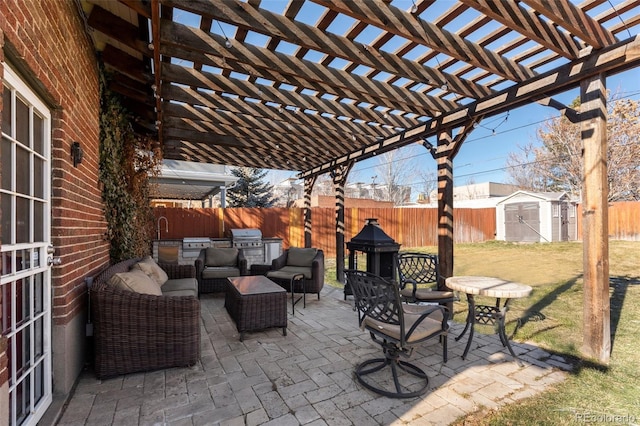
column 415, row 270
column 397, row 327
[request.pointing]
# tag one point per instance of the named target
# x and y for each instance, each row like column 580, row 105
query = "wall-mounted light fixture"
column 76, row 153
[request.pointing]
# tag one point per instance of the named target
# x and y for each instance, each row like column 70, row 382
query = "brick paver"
column 306, row 377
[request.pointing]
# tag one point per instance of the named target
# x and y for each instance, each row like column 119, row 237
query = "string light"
column 227, row 42
column 414, row 7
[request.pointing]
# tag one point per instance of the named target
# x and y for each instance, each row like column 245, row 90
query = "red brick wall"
column 47, row 40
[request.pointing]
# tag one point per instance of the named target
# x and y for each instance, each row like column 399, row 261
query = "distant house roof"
column 184, row 180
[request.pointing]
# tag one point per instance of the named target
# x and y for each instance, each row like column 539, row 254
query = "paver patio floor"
column 307, row 377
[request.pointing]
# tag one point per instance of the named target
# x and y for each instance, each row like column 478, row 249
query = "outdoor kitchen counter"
column 172, row 250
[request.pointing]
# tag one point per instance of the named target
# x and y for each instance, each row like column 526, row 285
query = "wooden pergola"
column 315, row 86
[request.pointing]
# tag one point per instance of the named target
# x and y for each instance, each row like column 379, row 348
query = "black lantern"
column 379, row 249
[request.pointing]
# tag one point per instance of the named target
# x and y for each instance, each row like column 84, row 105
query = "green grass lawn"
column 552, row 318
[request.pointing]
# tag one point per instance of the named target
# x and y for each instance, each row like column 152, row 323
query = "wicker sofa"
column 214, row 265
column 141, row 332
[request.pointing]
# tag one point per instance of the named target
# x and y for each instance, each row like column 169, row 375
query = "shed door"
column 564, row 222
column 25, row 312
column 522, row 222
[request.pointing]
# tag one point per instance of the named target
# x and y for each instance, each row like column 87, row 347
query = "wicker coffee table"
column 256, row 303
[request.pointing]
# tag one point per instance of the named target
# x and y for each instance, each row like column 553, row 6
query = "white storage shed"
column 536, row 217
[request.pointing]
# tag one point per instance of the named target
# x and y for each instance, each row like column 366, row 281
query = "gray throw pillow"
column 301, row 256
column 221, row 256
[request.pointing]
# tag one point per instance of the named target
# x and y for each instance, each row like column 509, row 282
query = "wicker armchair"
column 212, row 270
column 141, row 332
column 284, row 268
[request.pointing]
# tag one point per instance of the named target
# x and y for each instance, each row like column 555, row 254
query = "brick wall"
column 46, row 41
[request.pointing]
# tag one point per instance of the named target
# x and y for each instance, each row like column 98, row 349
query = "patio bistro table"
column 487, row 314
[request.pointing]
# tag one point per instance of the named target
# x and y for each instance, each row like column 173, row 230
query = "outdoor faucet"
column 166, row 222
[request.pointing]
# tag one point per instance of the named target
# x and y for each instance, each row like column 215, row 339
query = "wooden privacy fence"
column 624, row 220
column 411, row 227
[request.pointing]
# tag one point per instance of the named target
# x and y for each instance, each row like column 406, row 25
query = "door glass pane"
column 23, row 354
column 38, row 217
column 22, row 401
column 6, row 309
column 39, row 337
column 22, row 301
column 39, row 383
column 6, row 111
column 23, row 172
column 5, row 204
column 5, row 158
column 23, row 259
column 22, row 122
column 38, row 134
column 22, row 220
column 38, row 297
column 38, row 182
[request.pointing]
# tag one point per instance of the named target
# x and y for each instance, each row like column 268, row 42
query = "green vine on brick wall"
column 127, row 161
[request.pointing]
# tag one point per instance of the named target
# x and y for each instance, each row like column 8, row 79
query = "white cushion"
column 152, row 269
column 137, row 281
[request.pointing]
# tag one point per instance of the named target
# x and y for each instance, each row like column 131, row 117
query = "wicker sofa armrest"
column 199, row 263
column 317, row 267
column 175, row 271
column 280, row 261
column 139, row 332
column 242, row 263
column 257, row 269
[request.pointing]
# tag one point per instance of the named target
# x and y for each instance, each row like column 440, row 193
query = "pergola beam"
column 197, row 46
column 404, row 24
column 514, row 16
column 567, row 15
column 617, row 58
column 308, row 37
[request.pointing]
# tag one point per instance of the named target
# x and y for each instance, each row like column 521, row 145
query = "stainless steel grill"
column 191, row 246
column 250, row 241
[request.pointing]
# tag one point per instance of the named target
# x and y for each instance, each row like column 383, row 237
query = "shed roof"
column 542, row 196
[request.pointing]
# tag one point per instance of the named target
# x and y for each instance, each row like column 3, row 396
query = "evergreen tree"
column 250, row 190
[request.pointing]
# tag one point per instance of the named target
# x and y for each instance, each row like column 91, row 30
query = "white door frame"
column 26, row 275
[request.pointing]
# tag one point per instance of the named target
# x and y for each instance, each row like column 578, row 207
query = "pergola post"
column 596, row 306
column 448, row 148
column 308, row 187
column 444, row 161
column 339, row 178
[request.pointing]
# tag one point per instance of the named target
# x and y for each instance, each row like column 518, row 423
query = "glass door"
column 25, row 316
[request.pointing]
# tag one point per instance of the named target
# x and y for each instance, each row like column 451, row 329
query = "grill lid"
column 246, row 234
column 188, row 240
